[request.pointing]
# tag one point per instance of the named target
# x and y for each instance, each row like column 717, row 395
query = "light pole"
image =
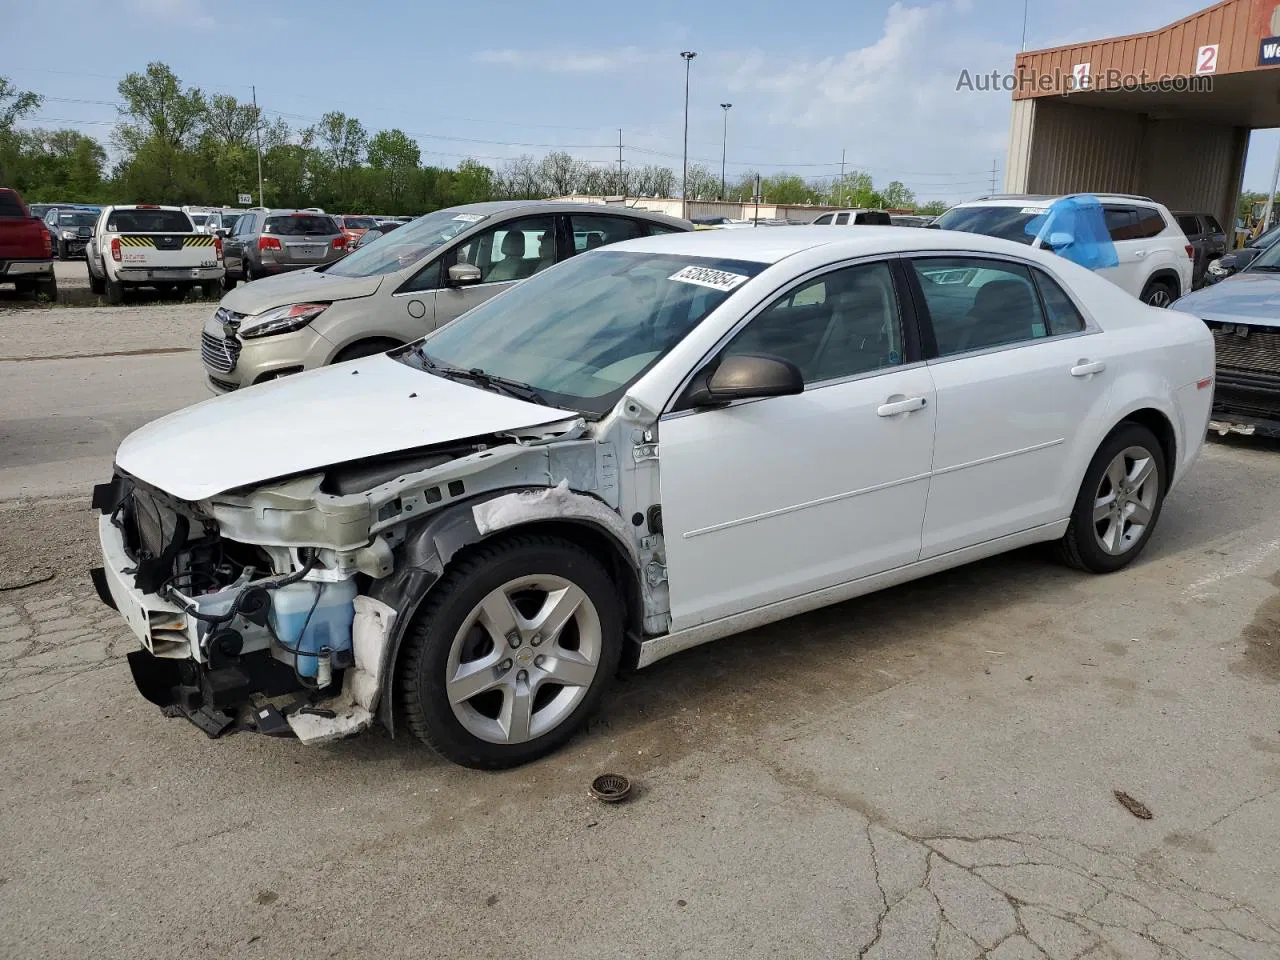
column 724, row 145
column 688, row 56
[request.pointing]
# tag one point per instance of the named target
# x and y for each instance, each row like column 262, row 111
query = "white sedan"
column 645, row 448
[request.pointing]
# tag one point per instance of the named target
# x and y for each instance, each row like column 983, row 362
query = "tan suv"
column 403, row 285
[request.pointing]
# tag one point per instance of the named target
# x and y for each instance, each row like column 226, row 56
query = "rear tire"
column 1119, row 502
column 510, row 707
column 115, row 292
column 211, row 289
column 96, row 285
column 228, row 281
column 1159, row 293
column 249, row 273
column 47, row 289
column 62, row 251
column 365, row 348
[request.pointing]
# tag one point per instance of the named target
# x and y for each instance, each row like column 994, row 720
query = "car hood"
column 1248, row 297
column 313, row 420
column 298, row 286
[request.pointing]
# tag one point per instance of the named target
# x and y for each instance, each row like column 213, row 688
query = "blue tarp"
column 1080, row 218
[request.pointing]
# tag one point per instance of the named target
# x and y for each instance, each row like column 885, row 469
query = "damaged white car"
column 645, row 448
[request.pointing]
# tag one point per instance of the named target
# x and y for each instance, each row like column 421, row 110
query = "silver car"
column 402, row 286
column 267, row 242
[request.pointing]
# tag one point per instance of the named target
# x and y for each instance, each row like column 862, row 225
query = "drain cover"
column 610, row 787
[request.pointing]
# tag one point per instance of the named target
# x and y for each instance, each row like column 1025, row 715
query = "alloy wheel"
column 1126, row 500
column 523, row 659
column 1159, row 297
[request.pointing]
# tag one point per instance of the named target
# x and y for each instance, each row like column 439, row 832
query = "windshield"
column 1266, row 238
column 582, row 332
column 148, row 221
column 76, row 219
column 300, row 225
column 410, row 244
column 1007, row 223
column 1268, row 260
column 358, row 223
column 229, row 220
column 199, row 219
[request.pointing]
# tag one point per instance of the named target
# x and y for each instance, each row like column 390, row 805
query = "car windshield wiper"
column 512, row 388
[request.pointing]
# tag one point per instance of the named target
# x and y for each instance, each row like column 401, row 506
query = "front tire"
column 1119, row 502
column 511, row 652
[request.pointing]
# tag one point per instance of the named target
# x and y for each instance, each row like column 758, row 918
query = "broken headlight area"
column 233, row 634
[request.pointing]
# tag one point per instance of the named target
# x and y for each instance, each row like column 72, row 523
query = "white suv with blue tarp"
column 1133, row 241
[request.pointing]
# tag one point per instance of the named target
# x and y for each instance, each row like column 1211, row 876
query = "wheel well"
column 1168, row 277
column 1159, row 424
column 383, row 343
column 595, row 542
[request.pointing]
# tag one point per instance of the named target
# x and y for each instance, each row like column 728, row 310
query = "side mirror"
column 748, row 376
column 463, row 274
column 1059, row 239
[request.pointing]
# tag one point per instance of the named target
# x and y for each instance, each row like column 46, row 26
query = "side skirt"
column 656, row 648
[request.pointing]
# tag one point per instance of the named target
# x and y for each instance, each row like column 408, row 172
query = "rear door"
column 1022, row 386
column 233, row 246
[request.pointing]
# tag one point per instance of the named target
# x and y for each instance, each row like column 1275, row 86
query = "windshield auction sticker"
column 469, row 217
column 706, row 277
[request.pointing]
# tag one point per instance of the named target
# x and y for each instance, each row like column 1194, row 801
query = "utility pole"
column 257, row 135
column 1271, row 195
column 688, row 56
column 724, row 145
column 1025, row 5
column 839, row 191
column 993, row 175
column 622, row 183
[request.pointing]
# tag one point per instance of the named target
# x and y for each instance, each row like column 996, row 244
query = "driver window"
column 838, row 325
column 511, row 251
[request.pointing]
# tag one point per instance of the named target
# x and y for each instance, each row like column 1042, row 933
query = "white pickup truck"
column 143, row 245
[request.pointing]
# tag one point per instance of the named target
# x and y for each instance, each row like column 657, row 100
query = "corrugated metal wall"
column 1021, row 131
column 1079, row 148
column 1185, row 164
column 1188, row 165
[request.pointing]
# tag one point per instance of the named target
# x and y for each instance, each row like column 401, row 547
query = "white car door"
column 1022, row 387
column 768, row 499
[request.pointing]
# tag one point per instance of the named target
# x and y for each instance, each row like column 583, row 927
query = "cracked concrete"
column 875, row 780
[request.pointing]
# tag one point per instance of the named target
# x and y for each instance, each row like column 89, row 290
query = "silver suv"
column 266, row 242
column 402, row 286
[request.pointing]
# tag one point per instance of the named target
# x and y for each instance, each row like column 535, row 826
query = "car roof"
column 773, row 244
column 1017, row 200
column 145, row 206
column 490, row 208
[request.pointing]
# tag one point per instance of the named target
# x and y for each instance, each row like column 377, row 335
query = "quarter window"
column 975, row 304
column 838, row 325
column 841, row 219
column 1061, row 311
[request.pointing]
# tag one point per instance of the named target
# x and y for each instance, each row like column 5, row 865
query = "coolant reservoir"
column 327, row 611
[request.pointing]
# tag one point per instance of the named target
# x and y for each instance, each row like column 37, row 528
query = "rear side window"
column 1132, row 223
column 975, row 303
column 1061, row 312
column 873, row 218
column 591, row 231
column 658, row 229
column 842, row 218
column 9, row 205
column 300, row 225
column 1189, row 225
column 149, row 221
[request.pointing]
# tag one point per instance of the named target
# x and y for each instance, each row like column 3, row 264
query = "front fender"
column 430, row 545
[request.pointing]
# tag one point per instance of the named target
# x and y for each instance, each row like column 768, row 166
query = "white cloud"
column 188, row 12
column 892, row 103
column 567, row 61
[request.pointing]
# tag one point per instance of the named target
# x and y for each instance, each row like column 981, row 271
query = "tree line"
column 180, row 145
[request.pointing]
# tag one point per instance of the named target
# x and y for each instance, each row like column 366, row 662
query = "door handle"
column 1139, row 254
column 1087, row 368
column 892, row 407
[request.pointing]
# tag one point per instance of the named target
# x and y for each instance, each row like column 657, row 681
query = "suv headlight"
column 68, row 234
column 285, row 319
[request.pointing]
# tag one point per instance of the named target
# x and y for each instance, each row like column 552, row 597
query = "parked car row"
column 571, row 438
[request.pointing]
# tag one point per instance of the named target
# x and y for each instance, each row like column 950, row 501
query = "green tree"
column 160, row 124
column 393, row 159
column 934, row 208
column 786, row 188
column 896, row 196
column 14, row 105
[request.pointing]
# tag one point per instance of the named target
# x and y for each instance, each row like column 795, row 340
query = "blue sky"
column 498, row 79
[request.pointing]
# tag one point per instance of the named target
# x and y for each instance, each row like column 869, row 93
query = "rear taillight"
column 48, row 242
column 340, row 243
column 115, row 249
column 268, row 243
column 217, row 247
column 1191, row 252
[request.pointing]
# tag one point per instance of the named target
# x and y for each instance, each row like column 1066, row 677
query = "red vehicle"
column 26, row 252
column 355, row 228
